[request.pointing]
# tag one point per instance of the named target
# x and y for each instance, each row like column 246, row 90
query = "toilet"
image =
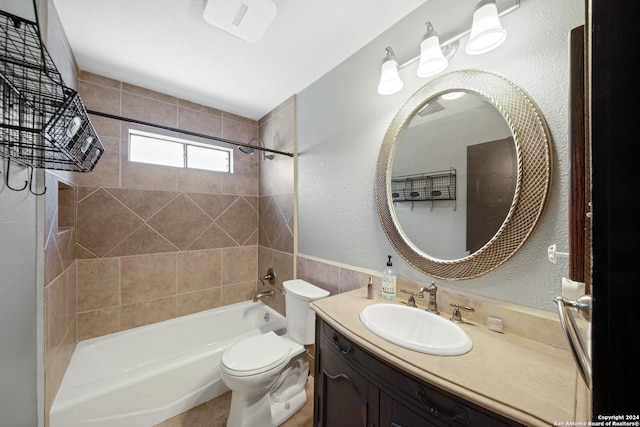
column 267, row 373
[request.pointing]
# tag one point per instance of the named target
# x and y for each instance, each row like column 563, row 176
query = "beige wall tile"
column 239, row 130
column 103, row 99
column 239, row 265
column 103, row 222
column 237, row 293
column 98, row 323
column 323, row 275
column 144, row 240
column 180, row 222
column 98, row 284
column 148, row 312
column 240, row 221
column 98, row 79
column 200, row 181
column 200, row 122
column 148, row 93
column 244, row 179
column 199, row 270
column 57, row 320
column 149, row 110
column 147, row 277
column 194, row 302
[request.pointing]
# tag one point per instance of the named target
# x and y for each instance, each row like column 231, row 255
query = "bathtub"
column 143, row 376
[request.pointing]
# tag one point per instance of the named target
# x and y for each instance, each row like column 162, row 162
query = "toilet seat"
column 255, row 355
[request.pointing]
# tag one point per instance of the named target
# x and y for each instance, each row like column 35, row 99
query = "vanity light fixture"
column 390, row 81
column 486, row 34
column 486, row 31
column 432, row 60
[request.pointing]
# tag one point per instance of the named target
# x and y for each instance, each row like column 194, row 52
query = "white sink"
column 416, row 329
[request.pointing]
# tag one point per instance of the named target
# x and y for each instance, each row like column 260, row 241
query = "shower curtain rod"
column 187, row 132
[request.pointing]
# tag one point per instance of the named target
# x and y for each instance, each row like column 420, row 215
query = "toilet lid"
column 256, row 354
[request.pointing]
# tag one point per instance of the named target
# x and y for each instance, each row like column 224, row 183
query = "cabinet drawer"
column 425, row 399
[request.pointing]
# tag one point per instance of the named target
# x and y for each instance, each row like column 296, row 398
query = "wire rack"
column 43, row 123
column 429, row 186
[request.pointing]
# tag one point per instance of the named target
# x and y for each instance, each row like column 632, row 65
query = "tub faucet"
column 433, row 303
column 259, row 295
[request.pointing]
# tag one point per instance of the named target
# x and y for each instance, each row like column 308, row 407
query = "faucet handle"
column 411, row 301
column 455, row 315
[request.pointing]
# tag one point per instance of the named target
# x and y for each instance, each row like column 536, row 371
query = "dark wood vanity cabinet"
column 353, row 388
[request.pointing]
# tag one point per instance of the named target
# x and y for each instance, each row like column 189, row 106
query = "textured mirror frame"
column 533, row 148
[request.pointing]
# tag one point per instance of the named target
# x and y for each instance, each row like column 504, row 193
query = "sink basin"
column 415, row 329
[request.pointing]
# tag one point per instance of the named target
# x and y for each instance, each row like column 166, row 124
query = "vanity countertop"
column 525, row 380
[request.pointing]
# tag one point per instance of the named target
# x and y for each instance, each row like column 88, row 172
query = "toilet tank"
column 300, row 317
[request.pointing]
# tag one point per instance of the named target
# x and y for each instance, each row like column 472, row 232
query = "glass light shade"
column 486, row 31
column 432, row 61
column 390, row 81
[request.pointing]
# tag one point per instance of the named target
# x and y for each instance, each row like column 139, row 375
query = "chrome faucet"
column 432, row 306
column 259, row 295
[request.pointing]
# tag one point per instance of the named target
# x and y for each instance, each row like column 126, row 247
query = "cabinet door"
column 342, row 395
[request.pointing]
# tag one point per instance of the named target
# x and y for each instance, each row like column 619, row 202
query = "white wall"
column 342, row 121
column 18, row 302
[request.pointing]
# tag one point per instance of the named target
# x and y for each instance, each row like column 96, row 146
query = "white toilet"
column 267, row 373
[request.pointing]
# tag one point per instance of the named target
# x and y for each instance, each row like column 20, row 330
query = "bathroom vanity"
column 363, row 380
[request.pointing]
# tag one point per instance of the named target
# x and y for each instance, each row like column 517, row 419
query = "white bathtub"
column 143, row 376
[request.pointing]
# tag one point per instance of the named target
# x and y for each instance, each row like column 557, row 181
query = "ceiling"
column 167, row 46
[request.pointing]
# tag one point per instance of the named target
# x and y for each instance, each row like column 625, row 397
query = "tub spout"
column 259, row 295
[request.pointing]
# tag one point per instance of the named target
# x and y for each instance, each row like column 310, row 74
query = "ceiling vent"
column 246, row 19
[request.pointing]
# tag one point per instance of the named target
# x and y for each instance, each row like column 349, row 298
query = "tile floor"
column 214, row 413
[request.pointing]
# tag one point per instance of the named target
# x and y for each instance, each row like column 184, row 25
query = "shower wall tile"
column 103, row 222
column 239, row 265
column 148, row 277
column 183, row 103
column 199, row 181
column 240, row 220
column 147, row 312
column 101, row 98
column 149, row 109
column 155, row 242
column 238, row 292
column 276, row 200
column 199, row 270
column 244, row 179
column 142, row 241
column 181, row 221
column 98, row 283
column 144, row 203
column 194, row 302
column 96, row 323
column 148, row 93
column 199, row 121
column 238, row 129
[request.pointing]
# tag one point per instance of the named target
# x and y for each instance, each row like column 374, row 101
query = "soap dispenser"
column 389, row 281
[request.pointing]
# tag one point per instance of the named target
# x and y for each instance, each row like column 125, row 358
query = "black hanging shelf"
column 428, row 186
column 43, row 123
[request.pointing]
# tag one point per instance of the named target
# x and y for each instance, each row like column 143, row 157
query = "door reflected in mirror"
column 454, row 175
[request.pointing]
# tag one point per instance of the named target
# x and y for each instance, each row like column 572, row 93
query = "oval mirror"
column 463, row 174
